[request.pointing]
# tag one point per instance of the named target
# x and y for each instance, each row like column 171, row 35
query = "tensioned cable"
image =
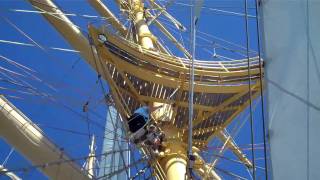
column 241, row 51
column 35, row 43
column 308, row 90
column 230, row 174
column 216, row 10
column 242, row 147
column 70, row 109
column 54, row 14
column 223, row 40
column 214, row 5
column 24, row 86
column 140, row 172
column 199, row 31
column 37, row 93
column 105, row 73
column 234, row 132
column 230, row 159
column 46, row 96
column 24, row 34
column 32, row 45
column 191, row 90
column 71, row 131
column 238, row 52
column 249, row 83
column 61, row 161
column 7, row 157
column 65, row 14
column 108, row 176
column 261, row 92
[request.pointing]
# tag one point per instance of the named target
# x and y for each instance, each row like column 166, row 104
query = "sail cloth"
column 291, row 44
column 118, row 157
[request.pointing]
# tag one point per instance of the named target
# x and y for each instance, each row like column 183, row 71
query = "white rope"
column 32, row 45
column 60, row 13
column 7, row 158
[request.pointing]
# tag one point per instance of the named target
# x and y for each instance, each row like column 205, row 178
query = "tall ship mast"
column 166, row 98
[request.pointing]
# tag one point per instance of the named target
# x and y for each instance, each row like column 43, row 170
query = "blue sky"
column 71, row 82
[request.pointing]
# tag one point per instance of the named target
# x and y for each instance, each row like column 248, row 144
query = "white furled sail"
column 291, row 44
column 117, row 152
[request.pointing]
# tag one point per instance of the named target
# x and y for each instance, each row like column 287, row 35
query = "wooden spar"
column 105, row 12
column 70, row 32
column 7, row 172
column 28, row 139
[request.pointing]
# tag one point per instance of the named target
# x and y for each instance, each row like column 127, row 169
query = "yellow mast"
column 173, row 160
column 144, row 34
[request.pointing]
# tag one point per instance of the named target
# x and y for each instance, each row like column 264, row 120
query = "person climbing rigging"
column 140, row 117
column 143, row 131
column 154, row 138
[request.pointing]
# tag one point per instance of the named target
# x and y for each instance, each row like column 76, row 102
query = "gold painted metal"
column 234, row 148
column 174, row 158
column 138, row 75
column 28, row 139
column 105, row 12
column 144, row 34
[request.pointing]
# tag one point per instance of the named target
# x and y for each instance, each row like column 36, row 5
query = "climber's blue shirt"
column 143, row 111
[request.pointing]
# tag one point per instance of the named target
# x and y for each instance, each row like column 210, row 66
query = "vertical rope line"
column 261, row 92
column 250, row 95
column 308, row 91
column 191, row 88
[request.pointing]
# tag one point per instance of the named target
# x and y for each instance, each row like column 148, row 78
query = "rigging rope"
column 49, row 97
column 32, row 45
column 250, row 94
column 191, row 91
column 44, row 50
column 123, row 139
column 216, row 10
column 249, row 77
column 24, row 35
column 261, row 90
column 7, row 158
column 71, row 160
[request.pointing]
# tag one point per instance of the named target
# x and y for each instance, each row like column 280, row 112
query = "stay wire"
column 74, row 132
column 103, row 89
column 57, row 102
column 40, row 94
column 66, row 161
column 99, row 78
column 233, row 175
column 191, row 91
column 261, row 91
column 7, row 157
column 250, row 95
